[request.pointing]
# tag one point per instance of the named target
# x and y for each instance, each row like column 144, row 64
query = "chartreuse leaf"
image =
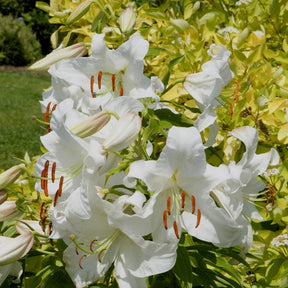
column 170, row 118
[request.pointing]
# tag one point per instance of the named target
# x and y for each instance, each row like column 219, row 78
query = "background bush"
column 35, row 19
column 18, row 44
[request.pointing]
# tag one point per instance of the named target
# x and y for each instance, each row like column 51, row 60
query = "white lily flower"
column 13, row 269
column 181, row 181
column 238, row 194
column 206, row 86
column 98, row 241
column 10, row 175
column 12, row 249
column 8, row 210
column 102, row 76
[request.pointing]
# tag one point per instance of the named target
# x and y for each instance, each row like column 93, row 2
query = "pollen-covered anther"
column 56, row 197
column 193, row 203
column 47, row 115
column 176, row 229
column 165, row 219
column 169, row 205
column 60, row 185
column 100, row 254
column 53, row 172
column 113, row 82
column 99, row 80
column 54, row 107
column 198, row 218
column 80, row 261
column 50, row 228
column 91, row 245
column 92, row 87
column 121, row 92
column 44, row 180
column 183, row 194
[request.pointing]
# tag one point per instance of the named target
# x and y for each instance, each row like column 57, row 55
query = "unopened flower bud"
column 124, row 132
column 12, row 249
column 3, row 196
column 76, row 50
column 9, row 176
column 79, row 11
column 91, row 125
column 8, row 210
column 127, row 20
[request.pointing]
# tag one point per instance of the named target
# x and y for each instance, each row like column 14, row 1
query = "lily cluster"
column 115, row 202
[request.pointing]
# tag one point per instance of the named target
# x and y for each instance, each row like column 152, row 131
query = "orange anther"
column 99, row 79
column 169, row 205
column 53, row 172
column 80, row 260
column 121, row 92
column 113, row 82
column 198, row 218
column 165, row 219
column 176, row 229
column 183, row 194
column 193, row 204
column 60, row 186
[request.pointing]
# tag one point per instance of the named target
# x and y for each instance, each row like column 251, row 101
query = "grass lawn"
column 19, row 100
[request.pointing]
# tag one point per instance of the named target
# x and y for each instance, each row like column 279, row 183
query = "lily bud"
column 12, row 249
column 76, row 50
column 10, row 175
column 124, row 133
column 127, row 20
column 79, row 11
column 3, row 196
column 91, row 125
column 8, row 210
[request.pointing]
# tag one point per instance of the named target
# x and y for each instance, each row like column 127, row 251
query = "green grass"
column 20, row 93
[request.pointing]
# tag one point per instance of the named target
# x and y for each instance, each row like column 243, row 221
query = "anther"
column 80, row 260
column 46, row 115
column 50, row 228
column 99, row 255
column 176, row 229
column 56, row 198
column 113, row 82
column 42, row 212
column 91, row 245
column 198, row 218
column 165, row 219
column 182, row 201
column 169, row 205
column 53, row 172
column 54, row 107
column 99, row 79
column 60, row 186
column 193, row 204
column 47, row 128
column 121, row 92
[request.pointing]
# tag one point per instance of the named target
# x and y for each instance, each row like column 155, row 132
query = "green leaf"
column 183, row 267
column 167, row 116
column 99, row 22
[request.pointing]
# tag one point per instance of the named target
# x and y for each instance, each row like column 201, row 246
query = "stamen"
column 79, row 261
column 44, row 182
column 169, row 205
column 60, row 186
column 53, row 172
column 91, row 245
column 50, row 228
column 183, row 194
column 46, row 115
column 48, row 128
column 113, row 82
column 41, row 212
column 165, row 219
column 121, row 92
column 99, row 79
column 54, row 107
column 92, row 87
column 56, row 198
column 43, row 222
column 176, row 229
column 99, row 255
column 192, row 204
column 198, row 218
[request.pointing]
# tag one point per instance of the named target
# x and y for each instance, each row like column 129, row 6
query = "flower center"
column 106, row 82
column 176, row 204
